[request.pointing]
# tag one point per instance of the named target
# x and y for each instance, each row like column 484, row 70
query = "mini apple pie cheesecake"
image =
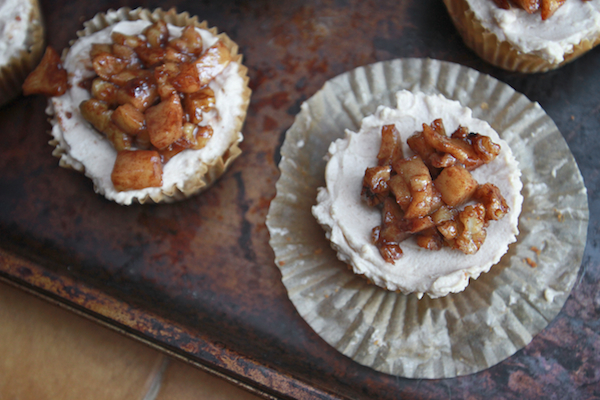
column 21, row 44
column 153, row 105
column 423, row 198
column 527, row 35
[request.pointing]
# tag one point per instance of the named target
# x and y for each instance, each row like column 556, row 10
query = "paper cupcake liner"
column 208, row 173
column 501, row 311
column 501, row 53
column 16, row 70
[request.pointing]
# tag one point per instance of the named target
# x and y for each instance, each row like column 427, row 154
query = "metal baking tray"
column 197, row 279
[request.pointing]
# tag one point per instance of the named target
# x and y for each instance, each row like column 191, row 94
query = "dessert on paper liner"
column 174, row 167
column 441, row 334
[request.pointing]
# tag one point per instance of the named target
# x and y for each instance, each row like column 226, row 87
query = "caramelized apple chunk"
column 164, row 122
column 49, row 78
column 138, row 169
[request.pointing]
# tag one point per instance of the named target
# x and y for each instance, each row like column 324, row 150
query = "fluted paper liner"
column 501, row 311
column 208, row 173
column 502, row 53
column 14, row 72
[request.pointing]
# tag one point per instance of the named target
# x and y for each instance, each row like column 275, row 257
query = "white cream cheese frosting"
column 88, row 149
column 15, row 20
column 573, row 22
column 348, row 220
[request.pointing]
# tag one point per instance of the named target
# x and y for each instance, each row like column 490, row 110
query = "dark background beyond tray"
column 197, row 278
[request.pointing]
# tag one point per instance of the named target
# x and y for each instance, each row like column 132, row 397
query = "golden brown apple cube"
column 375, row 187
column 49, row 78
column 172, row 55
column 139, row 92
column 416, row 174
column 212, row 62
column 123, row 77
column 129, row 119
column 194, row 104
column 134, row 170
column 96, row 112
column 142, row 140
column 188, row 80
column 190, row 42
column 157, row 34
column 456, row 185
column 162, row 74
column 150, row 56
column 164, row 122
column 105, row 91
column 107, row 65
column 125, row 53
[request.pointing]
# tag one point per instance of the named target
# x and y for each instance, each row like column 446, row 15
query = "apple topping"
column 422, row 195
column 149, row 97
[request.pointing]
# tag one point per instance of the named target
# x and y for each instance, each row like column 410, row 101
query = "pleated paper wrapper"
column 501, row 311
column 207, row 174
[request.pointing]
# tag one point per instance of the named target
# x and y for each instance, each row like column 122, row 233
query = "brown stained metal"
column 197, row 279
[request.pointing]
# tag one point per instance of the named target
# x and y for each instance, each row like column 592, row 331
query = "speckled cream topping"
column 89, row 149
column 551, row 39
column 348, row 220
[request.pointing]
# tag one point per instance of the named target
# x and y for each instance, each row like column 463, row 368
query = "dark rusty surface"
column 197, row 278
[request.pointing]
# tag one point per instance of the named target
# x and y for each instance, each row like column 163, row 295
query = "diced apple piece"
column 391, row 147
column 212, row 62
column 129, row 119
column 164, row 122
column 150, row 56
column 188, row 79
column 429, row 239
column 125, row 53
column 375, row 187
column 190, row 42
column 138, row 169
column 96, row 112
column 417, row 176
column 401, row 191
column 163, row 75
column 105, row 91
column 456, row 185
column 157, row 34
column 140, row 92
column 196, row 103
column 49, row 78
column 530, row 6
column 107, row 65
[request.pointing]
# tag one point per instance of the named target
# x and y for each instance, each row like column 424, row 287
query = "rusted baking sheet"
column 196, row 279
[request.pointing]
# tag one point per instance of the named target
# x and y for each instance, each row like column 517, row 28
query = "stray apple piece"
column 456, row 185
column 212, row 62
column 49, row 78
column 164, row 122
column 138, row 169
column 129, row 119
column 196, row 103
